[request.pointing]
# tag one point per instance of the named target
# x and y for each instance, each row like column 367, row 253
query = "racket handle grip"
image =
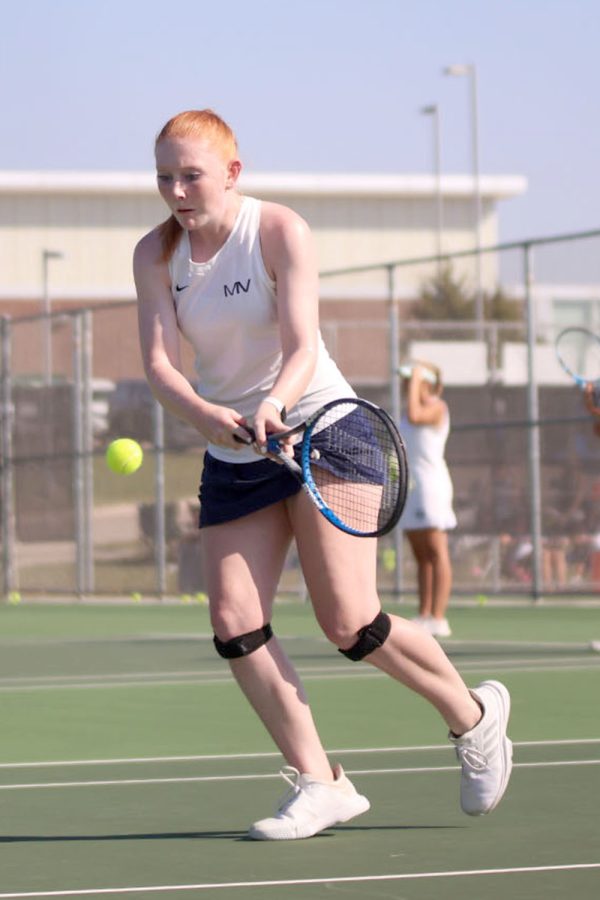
column 272, row 444
column 249, row 440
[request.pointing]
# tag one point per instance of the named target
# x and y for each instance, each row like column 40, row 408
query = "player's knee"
column 369, row 638
column 243, row 644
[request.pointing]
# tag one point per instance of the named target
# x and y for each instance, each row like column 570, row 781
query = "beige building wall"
column 95, row 220
column 95, row 234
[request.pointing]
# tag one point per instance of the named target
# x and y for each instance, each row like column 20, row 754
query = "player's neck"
column 207, row 240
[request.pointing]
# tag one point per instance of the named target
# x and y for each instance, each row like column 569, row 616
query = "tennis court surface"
column 131, row 766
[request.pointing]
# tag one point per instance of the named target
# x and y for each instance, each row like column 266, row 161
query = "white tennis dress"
column 430, row 492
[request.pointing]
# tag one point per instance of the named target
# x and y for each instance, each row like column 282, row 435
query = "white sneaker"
column 310, row 806
column 485, row 752
column 439, row 627
column 423, row 621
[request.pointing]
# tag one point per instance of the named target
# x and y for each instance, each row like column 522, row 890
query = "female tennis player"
column 238, row 278
column 428, row 514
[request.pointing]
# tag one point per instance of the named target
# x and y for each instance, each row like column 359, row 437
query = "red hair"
column 194, row 123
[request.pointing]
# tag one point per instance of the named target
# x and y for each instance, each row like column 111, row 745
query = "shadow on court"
column 201, row 835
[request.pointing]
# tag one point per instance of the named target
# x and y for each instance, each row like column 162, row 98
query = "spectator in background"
column 591, row 400
column 564, row 515
column 428, row 514
column 594, row 532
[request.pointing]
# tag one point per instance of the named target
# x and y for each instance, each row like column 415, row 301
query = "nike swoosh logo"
column 181, row 287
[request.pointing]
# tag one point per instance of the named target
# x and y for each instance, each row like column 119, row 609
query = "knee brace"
column 244, row 644
column 370, row 638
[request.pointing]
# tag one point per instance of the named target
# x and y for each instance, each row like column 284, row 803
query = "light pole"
column 470, row 72
column 47, row 255
column 434, row 111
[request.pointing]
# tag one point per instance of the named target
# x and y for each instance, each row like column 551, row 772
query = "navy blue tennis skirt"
column 231, row 490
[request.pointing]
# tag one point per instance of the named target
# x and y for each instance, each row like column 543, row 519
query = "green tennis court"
column 131, row 766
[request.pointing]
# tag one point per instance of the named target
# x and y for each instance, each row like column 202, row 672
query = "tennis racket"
column 351, row 463
column 578, row 352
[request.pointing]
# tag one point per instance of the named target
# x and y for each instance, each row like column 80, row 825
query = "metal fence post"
column 7, row 526
column 78, row 449
column 160, row 544
column 395, row 404
column 533, row 432
column 88, row 451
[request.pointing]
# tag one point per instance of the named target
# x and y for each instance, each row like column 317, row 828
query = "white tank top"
column 430, row 494
column 425, row 446
column 226, row 307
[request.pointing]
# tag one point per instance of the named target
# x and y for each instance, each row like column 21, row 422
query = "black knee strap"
column 244, row 644
column 370, row 638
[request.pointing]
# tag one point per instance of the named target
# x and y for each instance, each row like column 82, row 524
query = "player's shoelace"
column 292, row 776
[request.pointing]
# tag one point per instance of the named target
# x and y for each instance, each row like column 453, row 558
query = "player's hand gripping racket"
column 351, row 463
column 578, row 352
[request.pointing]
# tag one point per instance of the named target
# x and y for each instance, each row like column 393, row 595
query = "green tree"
column 446, row 298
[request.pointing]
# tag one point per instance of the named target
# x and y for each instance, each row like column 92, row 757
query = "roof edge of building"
column 267, row 184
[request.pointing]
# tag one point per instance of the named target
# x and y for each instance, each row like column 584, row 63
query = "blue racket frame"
column 304, row 475
column 302, row 472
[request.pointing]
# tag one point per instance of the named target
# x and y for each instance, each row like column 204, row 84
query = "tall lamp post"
column 469, row 71
column 47, row 255
column 434, row 112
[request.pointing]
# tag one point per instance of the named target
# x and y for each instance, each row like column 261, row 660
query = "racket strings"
column 359, row 468
column 342, row 442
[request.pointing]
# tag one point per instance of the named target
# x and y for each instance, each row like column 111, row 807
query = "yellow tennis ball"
column 389, row 559
column 124, row 456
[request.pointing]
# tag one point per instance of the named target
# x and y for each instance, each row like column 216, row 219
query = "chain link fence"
column 522, row 452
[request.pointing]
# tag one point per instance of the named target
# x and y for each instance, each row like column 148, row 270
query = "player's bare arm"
column 589, row 396
column 159, row 338
column 423, row 410
column 290, row 259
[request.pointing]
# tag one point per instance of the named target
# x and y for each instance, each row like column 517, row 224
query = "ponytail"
column 170, row 232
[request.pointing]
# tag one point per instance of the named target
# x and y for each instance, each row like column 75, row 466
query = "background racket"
column 351, row 462
column 578, row 352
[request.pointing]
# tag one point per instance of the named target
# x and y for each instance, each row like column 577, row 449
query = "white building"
column 94, row 219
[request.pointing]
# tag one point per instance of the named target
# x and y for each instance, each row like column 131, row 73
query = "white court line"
column 110, row 676
column 408, row 770
column 182, row 673
column 346, row 879
column 208, row 757
column 308, row 674
column 142, row 638
column 545, row 645
column 210, row 674
column 207, row 637
column 104, row 685
column 556, row 743
column 158, row 679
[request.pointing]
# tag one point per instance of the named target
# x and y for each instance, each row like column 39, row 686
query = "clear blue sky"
column 316, row 85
